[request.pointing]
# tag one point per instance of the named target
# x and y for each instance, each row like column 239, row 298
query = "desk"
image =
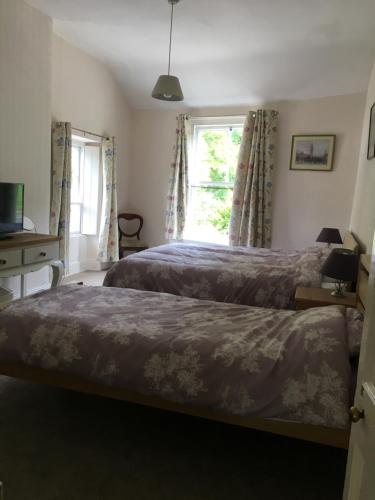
column 24, row 253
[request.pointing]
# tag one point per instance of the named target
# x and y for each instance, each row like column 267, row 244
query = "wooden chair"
column 131, row 241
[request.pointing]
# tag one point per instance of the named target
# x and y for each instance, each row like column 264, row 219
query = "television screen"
column 11, row 207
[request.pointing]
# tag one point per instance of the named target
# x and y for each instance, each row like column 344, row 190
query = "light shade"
column 329, row 235
column 168, row 88
column 341, row 265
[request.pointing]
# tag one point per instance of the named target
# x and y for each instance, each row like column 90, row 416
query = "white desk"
column 24, row 253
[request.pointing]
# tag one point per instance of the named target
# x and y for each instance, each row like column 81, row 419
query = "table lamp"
column 329, row 235
column 341, row 265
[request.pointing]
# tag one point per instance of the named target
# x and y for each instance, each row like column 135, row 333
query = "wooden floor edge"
column 338, row 438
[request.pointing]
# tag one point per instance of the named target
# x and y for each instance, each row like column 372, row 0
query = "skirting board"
column 338, row 438
column 90, row 265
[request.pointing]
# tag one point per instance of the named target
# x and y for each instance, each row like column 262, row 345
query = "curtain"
column 108, row 238
column 61, row 156
column 251, row 217
column 178, row 183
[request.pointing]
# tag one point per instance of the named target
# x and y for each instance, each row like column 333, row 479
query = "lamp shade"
column 329, row 235
column 168, row 88
column 341, row 265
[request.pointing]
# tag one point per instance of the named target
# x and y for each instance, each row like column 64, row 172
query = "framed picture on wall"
column 371, row 135
column 312, row 152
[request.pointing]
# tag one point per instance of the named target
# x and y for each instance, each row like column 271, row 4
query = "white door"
column 360, row 472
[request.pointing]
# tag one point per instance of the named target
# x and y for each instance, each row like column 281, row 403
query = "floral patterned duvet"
column 230, row 358
column 240, row 275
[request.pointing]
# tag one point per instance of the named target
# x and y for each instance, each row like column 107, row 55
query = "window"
column 76, row 192
column 85, row 180
column 215, row 152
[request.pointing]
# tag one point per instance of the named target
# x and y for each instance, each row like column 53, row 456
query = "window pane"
column 209, row 214
column 75, row 180
column 216, row 154
column 75, row 218
column 211, row 183
column 211, row 161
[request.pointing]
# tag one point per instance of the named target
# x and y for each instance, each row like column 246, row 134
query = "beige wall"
column 153, row 133
column 25, row 110
column 43, row 78
column 25, row 104
column 85, row 93
column 304, row 202
column 363, row 215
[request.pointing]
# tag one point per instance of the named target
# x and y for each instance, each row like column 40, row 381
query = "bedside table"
column 316, row 297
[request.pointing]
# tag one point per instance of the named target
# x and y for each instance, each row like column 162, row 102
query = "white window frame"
column 83, row 142
column 80, row 145
column 197, row 124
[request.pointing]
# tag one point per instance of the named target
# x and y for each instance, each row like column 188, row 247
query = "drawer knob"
column 42, row 254
column 3, row 262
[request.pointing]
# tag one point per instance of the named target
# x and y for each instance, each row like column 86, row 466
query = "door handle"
column 356, row 415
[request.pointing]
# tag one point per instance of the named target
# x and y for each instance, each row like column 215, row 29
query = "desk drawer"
column 10, row 258
column 32, row 255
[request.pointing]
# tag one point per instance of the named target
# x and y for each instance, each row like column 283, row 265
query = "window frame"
column 209, row 123
column 81, row 146
column 82, row 142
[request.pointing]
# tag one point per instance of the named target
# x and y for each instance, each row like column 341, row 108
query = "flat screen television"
column 11, row 208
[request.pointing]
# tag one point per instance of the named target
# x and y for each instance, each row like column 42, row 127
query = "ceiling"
column 226, row 52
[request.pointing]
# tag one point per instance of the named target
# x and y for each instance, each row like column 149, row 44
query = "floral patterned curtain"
column 108, row 239
column 178, row 183
column 251, row 217
column 61, row 152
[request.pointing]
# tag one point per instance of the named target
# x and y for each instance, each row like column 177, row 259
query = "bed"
column 282, row 371
column 239, row 275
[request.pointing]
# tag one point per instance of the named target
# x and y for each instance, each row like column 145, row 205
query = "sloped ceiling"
column 230, row 52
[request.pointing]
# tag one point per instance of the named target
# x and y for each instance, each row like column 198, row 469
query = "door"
column 360, row 472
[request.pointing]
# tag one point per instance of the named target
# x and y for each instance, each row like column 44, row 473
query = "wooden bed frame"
column 350, row 243
column 318, row 434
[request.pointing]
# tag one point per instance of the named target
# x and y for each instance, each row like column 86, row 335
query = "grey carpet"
column 61, row 445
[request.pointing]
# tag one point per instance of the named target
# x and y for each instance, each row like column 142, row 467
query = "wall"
column 304, row 202
column 153, row 133
column 85, row 93
column 363, row 214
column 42, row 78
column 25, row 104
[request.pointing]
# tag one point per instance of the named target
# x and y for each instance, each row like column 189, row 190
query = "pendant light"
column 168, row 87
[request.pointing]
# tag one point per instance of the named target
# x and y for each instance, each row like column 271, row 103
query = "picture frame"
column 312, row 152
column 371, row 135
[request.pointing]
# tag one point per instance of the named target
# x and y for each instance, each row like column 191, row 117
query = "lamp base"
column 338, row 291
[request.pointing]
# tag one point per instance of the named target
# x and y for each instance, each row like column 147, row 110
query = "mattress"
column 233, row 359
column 239, row 275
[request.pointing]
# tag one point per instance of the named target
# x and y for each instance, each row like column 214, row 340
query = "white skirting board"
column 90, row 265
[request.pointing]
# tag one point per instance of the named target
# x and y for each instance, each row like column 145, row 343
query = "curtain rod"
column 90, row 133
column 193, row 117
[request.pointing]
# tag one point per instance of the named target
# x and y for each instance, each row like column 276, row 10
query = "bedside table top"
column 323, row 296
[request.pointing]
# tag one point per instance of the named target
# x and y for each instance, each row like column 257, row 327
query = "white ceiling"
column 226, row 52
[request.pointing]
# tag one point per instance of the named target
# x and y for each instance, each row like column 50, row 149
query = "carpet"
column 60, row 445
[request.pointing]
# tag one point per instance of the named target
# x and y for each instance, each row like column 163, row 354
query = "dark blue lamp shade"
column 341, row 265
column 329, row 235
